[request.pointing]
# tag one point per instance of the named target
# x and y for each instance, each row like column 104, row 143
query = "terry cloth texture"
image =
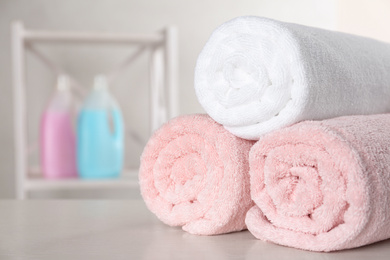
column 322, row 185
column 195, row 174
column 256, row 75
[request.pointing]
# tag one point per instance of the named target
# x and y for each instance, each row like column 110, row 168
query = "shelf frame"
column 163, row 76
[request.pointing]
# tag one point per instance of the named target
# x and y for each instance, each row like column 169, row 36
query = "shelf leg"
column 18, row 60
column 171, row 69
column 158, row 103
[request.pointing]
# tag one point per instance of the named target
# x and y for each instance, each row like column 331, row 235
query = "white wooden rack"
column 162, row 47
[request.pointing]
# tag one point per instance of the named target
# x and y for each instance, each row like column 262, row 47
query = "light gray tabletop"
column 60, row 229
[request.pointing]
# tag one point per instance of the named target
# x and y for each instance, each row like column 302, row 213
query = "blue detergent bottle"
column 100, row 134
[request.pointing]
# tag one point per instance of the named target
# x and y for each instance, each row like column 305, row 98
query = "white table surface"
column 61, row 229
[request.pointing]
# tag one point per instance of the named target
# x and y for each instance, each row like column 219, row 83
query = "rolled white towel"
column 256, row 75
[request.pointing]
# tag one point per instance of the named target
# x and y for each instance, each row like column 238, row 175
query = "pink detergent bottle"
column 58, row 140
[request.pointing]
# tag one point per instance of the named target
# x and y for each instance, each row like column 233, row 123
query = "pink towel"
column 324, row 185
column 194, row 174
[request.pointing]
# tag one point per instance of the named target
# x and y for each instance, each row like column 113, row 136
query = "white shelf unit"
column 162, row 47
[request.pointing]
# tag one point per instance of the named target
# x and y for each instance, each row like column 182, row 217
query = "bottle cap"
column 63, row 82
column 100, row 82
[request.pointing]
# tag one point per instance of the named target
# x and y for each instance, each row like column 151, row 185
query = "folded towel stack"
column 316, row 185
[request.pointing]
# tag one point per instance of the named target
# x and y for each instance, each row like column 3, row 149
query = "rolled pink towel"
column 195, row 174
column 324, row 185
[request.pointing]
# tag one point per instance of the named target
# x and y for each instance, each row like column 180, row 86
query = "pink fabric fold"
column 195, row 174
column 322, row 185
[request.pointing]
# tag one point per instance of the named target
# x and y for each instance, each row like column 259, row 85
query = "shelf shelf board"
column 129, row 179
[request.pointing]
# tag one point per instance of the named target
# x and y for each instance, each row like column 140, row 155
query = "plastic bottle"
column 100, row 134
column 57, row 137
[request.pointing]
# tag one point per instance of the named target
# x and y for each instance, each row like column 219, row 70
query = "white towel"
column 256, row 75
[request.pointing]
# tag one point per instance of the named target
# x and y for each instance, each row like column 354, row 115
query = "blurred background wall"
column 195, row 20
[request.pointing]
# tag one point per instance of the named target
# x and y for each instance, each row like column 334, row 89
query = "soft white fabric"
column 256, row 75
